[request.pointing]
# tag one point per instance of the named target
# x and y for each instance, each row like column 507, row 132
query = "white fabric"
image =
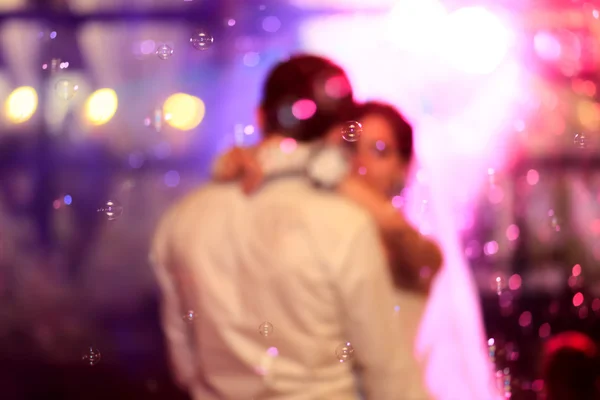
column 325, row 165
column 306, row 261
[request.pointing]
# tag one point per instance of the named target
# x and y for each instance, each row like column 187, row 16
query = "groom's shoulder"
column 203, row 197
column 330, row 206
column 211, row 192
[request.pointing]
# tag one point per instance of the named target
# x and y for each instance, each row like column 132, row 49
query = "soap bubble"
column 344, row 352
column 351, row 131
column 65, row 89
column 189, row 316
column 92, row 356
column 112, row 209
column 201, row 40
column 580, row 140
column 499, row 285
column 163, row 51
column 265, row 329
column 156, row 120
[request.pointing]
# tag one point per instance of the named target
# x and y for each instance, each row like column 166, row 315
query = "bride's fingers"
column 253, row 174
column 224, row 169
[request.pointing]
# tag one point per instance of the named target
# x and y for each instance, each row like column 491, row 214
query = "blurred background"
column 110, row 110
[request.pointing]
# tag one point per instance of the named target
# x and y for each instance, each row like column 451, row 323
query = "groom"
column 284, row 290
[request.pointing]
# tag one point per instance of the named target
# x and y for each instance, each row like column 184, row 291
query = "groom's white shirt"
column 304, row 260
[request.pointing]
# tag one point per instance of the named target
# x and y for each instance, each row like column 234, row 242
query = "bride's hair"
column 402, row 129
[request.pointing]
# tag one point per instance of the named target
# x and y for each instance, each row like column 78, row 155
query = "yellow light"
column 21, row 104
column 589, row 115
column 101, row 106
column 183, row 112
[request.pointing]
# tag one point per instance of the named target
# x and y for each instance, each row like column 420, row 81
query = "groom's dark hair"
column 305, row 97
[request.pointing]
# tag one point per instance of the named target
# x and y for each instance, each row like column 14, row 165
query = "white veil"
column 460, row 120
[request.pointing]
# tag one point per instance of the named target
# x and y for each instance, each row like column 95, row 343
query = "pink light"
column 578, row 299
column 490, row 248
column 547, row 46
column 288, row 145
column 596, row 227
column 519, row 125
column 496, row 195
column 576, row 271
column 525, row 319
column 537, row 385
column 304, row 109
column 533, row 177
column 514, row 282
column 337, row 87
column 545, row 330
column 512, row 232
column 397, row 201
column 596, row 305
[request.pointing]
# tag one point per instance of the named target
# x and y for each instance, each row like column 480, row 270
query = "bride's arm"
column 239, row 163
column 242, row 163
column 409, row 251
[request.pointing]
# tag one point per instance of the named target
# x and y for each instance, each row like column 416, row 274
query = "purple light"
column 271, row 24
column 172, row 178
column 147, row 47
column 251, row 59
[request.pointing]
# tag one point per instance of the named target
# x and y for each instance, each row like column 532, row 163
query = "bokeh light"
column 101, row 106
column 474, row 40
column 185, row 112
column 21, row 104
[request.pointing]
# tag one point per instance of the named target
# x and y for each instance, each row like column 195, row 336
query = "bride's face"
column 376, row 157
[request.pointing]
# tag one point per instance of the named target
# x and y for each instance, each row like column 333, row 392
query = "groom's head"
column 304, row 98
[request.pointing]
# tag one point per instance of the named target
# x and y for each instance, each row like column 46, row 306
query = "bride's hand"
column 239, row 163
column 409, row 251
column 389, row 220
